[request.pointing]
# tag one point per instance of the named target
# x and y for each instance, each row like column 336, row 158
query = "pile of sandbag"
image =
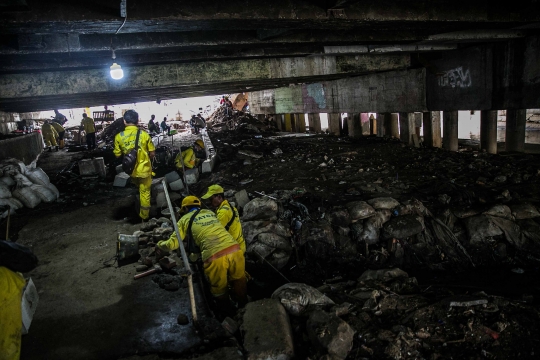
column 22, row 185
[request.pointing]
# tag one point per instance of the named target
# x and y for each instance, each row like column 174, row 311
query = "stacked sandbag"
column 22, row 185
column 266, row 237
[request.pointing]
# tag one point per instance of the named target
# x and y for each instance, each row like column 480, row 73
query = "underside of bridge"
column 331, row 217
column 57, row 54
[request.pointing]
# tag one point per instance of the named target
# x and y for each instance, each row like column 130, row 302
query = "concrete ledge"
column 25, row 148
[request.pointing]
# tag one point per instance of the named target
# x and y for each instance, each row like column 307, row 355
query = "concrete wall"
column 460, row 80
column 24, row 147
column 8, row 122
column 383, row 92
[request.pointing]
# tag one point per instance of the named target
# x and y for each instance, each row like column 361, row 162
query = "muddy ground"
column 89, row 310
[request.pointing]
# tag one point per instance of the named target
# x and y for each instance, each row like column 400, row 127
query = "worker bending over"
column 49, row 135
column 227, row 214
column 191, row 156
column 61, row 132
column 90, row 129
column 124, row 142
column 221, row 255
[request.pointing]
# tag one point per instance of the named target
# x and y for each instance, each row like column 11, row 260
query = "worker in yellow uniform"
column 222, row 258
column 124, row 142
column 61, row 132
column 226, row 213
column 11, row 290
column 49, row 135
column 90, row 129
column 189, row 156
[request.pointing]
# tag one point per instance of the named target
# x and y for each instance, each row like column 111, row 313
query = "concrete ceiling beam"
column 23, row 90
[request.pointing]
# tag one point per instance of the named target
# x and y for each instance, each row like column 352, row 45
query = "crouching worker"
column 191, row 156
column 223, row 261
column 141, row 176
column 226, row 213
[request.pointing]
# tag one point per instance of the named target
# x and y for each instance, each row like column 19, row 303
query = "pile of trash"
column 225, row 118
column 387, row 314
column 23, row 186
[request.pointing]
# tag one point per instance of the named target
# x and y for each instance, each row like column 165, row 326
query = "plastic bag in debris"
column 409, row 207
column 359, row 210
column 277, row 151
column 383, row 275
column 372, row 226
column 7, row 180
column 383, row 203
column 499, row 210
column 27, row 196
column 44, row 193
column 481, row 227
column 4, row 191
column 402, row 227
column 260, row 209
column 524, row 211
column 38, row 176
column 13, row 164
column 22, row 180
column 271, row 247
column 299, row 298
column 13, row 203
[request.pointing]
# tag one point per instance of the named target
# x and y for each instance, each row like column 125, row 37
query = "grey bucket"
column 127, row 247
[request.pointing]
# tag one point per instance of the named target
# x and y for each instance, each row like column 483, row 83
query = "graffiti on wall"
column 455, row 78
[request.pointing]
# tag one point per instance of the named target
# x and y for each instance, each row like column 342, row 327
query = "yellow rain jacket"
column 49, row 134
column 208, row 233
column 88, row 124
column 11, row 289
column 59, row 128
column 225, row 214
column 124, row 142
column 190, row 160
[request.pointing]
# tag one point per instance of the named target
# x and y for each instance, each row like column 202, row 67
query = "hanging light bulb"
column 116, row 70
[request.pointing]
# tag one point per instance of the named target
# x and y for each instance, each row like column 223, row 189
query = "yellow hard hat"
column 191, row 200
column 213, row 190
column 200, row 143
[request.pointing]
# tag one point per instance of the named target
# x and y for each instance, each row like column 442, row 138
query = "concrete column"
column 450, row 130
column 417, row 123
column 354, row 126
column 334, row 121
column 288, row 122
column 314, row 123
column 432, row 129
column 372, row 125
column 488, row 131
column 279, row 122
column 516, row 121
column 301, row 123
column 391, row 125
column 380, row 124
column 406, row 127
column 364, row 121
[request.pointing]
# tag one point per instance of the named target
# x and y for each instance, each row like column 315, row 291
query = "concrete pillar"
column 301, row 123
column 432, row 129
column 380, row 124
column 334, row 121
column 417, row 123
column 288, row 122
column 364, row 121
column 354, row 126
column 372, row 125
column 488, row 131
column 406, row 127
column 516, row 121
column 391, row 125
column 450, row 130
column 279, row 122
column 314, row 123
